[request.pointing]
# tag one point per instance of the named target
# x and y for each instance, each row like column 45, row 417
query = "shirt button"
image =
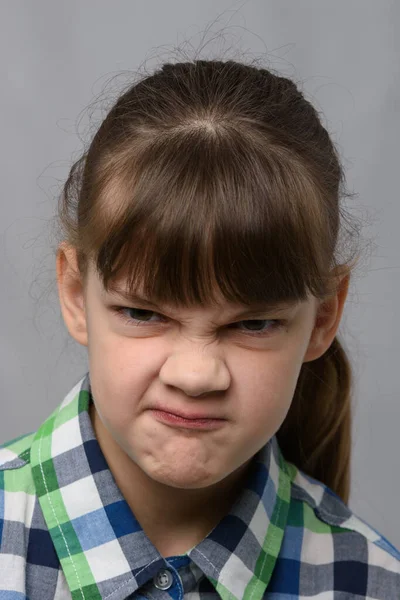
column 163, row 580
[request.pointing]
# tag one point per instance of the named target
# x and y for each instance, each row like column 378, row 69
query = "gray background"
column 55, row 61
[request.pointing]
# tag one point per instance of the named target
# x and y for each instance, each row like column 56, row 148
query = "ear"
column 327, row 321
column 71, row 293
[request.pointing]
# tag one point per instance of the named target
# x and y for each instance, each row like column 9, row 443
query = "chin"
column 187, row 479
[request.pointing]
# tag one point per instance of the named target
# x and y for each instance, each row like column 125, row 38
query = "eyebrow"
column 266, row 307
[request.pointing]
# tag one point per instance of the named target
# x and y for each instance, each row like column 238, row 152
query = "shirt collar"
column 102, row 547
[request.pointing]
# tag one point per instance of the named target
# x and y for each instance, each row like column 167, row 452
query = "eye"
column 271, row 325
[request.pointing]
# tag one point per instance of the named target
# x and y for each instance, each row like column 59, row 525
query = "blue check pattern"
column 67, row 532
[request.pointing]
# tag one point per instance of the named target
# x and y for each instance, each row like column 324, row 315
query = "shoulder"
column 360, row 559
column 16, row 453
column 18, row 504
column 17, row 487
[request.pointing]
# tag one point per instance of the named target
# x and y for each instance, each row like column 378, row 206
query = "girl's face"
column 205, row 361
column 192, row 362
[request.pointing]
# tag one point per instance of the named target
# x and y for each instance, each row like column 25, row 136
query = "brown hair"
column 217, row 175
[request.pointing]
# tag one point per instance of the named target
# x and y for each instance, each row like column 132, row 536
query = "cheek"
column 115, row 401
column 118, row 374
column 269, row 391
column 264, row 419
column 125, row 363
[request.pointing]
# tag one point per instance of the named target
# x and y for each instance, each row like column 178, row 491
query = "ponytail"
column 316, row 434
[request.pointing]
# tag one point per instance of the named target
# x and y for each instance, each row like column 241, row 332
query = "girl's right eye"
column 120, row 310
column 277, row 324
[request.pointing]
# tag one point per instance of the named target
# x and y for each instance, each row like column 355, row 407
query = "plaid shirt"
column 66, row 531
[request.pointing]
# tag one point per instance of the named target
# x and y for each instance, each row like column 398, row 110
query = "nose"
column 196, row 376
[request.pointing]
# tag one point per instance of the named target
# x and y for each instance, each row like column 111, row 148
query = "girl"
column 206, row 453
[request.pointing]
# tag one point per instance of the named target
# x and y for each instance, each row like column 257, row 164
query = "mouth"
column 187, row 423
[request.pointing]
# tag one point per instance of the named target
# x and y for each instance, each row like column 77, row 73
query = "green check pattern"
column 67, row 532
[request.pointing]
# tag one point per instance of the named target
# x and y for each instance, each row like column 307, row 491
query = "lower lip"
column 188, row 423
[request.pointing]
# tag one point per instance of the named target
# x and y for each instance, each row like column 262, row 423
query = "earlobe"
column 71, row 294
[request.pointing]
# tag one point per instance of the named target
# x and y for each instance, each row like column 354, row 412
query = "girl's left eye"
column 121, row 313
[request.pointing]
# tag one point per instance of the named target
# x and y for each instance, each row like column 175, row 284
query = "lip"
column 187, row 416
column 179, row 421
